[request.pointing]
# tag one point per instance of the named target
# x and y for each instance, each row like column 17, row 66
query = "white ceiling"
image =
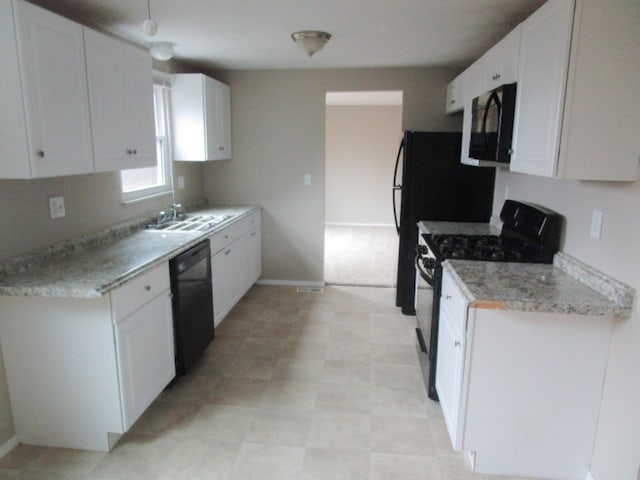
column 255, row 34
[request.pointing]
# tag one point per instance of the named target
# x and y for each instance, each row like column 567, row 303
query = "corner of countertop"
column 616, row 291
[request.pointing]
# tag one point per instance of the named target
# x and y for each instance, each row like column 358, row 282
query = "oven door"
column 425, row 279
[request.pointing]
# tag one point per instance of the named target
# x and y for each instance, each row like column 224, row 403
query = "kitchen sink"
column 190, row 223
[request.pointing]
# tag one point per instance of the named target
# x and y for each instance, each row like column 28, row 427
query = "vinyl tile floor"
column 304, row 386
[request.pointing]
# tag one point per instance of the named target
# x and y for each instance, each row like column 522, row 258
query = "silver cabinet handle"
column 448, row 297
column 456, row 344
column 147, row 288
column 227, row 252
column 220, row 148
column 40, row 153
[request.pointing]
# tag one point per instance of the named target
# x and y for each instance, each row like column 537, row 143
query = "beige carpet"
column 359, row 255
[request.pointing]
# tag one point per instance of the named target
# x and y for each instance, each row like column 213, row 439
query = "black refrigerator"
column 435, row 186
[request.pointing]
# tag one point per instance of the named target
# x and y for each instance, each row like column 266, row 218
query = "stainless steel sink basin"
column 191, row 223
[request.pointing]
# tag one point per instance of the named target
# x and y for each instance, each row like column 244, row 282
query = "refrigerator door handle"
column 396, row 187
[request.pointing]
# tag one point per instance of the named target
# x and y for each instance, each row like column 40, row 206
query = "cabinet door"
column 455, row 94
column 52, row 62
column 501, row 62
column 254, row 256
column 542, row 75
column 139, row 108
column 450, row 375
column 237, row 257
column 145, row 352
column 121, row 99
column 217, row 108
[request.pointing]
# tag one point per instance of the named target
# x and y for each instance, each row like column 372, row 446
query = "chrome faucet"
column 175, row 211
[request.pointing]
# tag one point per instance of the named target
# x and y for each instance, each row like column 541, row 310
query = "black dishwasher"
column 192, row 304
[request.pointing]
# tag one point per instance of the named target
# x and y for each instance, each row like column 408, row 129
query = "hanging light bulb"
column 149, row 26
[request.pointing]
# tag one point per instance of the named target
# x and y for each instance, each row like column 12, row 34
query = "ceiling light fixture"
column 162, row 51
column 149, row 26
column 310, row 41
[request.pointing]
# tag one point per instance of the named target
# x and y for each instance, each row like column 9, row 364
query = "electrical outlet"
column 506, row 192
column 307, row 179
column 596, row 224
column 56, row 207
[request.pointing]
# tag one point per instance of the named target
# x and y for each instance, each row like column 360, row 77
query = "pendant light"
column 149, row 26
column 310, row 41
column 159, row 50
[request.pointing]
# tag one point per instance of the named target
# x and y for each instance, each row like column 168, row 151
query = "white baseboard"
column 289, row 283
column 331, row 224
column 589, row 476
column 9, row 445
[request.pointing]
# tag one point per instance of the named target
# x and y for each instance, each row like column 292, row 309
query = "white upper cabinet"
column 500, row 64
column 201, row 118
column 455, row 93
column 44, row 121
column 121, row 99
column 578, row 103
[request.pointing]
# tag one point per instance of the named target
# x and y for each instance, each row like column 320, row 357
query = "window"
column 139, row 183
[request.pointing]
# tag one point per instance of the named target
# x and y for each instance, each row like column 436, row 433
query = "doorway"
column 363, row 131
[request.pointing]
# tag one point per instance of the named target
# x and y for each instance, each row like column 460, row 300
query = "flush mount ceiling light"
column 159, row 50
column 310, row 41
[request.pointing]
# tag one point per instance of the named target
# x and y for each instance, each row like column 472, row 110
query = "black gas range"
column 530, row 233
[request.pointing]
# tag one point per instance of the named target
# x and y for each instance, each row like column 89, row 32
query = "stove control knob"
column 429, row 262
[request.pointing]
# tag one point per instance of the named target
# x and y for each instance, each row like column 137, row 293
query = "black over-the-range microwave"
column 492, row 116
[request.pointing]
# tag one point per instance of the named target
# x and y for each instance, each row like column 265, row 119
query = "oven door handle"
column 423, row 273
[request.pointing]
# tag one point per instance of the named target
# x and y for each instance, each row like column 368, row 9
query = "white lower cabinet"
column 520, row 391
column 450, row 375
column 236, row 263
column 80, row 371
column 145, row 352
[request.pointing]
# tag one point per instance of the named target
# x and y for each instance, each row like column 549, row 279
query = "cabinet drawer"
column 224, row 237
column 454, row 302
column 230, row 234
column 134, row 294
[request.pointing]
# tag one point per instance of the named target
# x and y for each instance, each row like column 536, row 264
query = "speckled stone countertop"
column 537, row 288
column 91, row 266
column 457, row 228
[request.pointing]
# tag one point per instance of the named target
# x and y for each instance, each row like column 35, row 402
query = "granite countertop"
column 93, row 266
column 457, row 228
column 540, row 287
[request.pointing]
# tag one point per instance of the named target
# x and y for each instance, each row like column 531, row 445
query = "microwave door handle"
column 492, row 98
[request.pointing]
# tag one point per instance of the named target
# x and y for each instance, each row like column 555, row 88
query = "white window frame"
column 162, row 104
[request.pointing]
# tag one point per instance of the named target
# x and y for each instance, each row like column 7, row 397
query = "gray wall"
column 92, row 202
column 617, row 449
column 278, row 135
column 361, row 147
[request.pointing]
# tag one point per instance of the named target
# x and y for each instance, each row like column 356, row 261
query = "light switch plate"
column 56, row 207
column 180, row 182
column 307, row 179
column 596, row 224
